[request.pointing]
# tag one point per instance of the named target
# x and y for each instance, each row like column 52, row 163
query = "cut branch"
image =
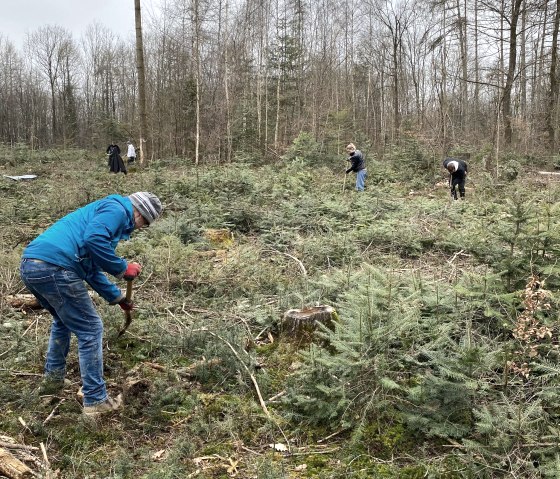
column 12, row 467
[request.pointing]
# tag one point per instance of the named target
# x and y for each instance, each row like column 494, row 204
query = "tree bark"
column 302, row 323
column 12, row 467
column 142, row 107
column 512, row 62
column 553, row 92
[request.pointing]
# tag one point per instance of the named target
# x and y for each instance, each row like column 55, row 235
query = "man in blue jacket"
column 358, row 165
column 457, row 175
column 55, row 266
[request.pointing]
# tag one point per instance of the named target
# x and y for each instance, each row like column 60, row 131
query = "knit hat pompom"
column 147, row 204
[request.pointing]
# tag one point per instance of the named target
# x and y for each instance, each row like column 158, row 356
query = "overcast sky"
column 21, row 16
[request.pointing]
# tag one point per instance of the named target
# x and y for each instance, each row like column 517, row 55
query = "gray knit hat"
column 147, row 204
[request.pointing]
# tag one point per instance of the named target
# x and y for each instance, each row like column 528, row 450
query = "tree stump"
column 12, row 467
column 301, row 324
column 219, row 238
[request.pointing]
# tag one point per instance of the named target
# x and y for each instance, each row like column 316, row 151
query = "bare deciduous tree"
column 142, row 107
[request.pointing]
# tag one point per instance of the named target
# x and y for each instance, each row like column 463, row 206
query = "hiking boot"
column 107, row 406
column 52, row 386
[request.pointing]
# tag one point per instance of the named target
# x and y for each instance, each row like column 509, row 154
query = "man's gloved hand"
column 126, row 304
column 132, row 271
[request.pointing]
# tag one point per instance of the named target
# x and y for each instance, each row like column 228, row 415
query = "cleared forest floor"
column 427, row 291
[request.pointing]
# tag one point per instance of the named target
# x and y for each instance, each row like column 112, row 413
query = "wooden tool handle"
column 129, row 289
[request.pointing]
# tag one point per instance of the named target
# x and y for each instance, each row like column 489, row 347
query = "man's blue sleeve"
column 110, row 292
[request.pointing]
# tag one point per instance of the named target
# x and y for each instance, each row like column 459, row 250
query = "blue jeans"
column 361, row 179
column 63, row 294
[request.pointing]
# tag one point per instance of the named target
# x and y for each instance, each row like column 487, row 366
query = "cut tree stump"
column 12, row 467
column 222, row 238
column 302, row 323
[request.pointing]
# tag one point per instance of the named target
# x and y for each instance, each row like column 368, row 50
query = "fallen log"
column 23, row 301
column 27, row 301
column 12, row 467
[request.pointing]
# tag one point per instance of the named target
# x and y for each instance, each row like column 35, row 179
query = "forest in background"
column 250, row 76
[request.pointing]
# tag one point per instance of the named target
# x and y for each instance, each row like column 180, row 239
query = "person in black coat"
column 115, row 161
column 457, row 176
column 357, row 165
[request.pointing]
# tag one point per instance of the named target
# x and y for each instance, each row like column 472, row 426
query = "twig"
column 255, row 384
column 23, row 423
column 50, row 416
column 9, row 445
column 7, row 351
column 175, row 318
column 367, row 247
column 251, row 451
column 30, row 326
column 20, row 373
column 254, row 381
column 138, row 287
column 303, row 270
column 459, row 253
column 276, row 396
column 45, row 457
column 328, row 451
column 536, row 444
column 244, row 321
column 331, row 436
column 259, row 335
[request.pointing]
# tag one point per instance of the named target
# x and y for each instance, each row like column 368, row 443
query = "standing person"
column 457, row 176
column 78, row 248
column 358, row 165
column 131, row 153
column 115, row 161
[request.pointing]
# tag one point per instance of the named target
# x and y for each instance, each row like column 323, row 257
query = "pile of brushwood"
column 441, row 361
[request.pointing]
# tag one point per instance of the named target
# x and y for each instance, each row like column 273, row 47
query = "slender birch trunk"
column 141, row 84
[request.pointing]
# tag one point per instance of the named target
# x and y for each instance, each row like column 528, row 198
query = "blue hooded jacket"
column 84, row 242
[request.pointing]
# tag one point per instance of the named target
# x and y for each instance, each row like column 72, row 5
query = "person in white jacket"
column 131, row 153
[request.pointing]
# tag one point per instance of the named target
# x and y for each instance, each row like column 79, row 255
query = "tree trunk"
column 476, row 72
column 143, row 143
column 198, row 78
column 229, row 151
column 512, row 62
column 553, row 92
column 462, row 28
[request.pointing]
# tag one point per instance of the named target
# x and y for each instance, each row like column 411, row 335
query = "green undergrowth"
column 417, row 379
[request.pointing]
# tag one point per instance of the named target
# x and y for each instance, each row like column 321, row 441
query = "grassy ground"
column 206, row 326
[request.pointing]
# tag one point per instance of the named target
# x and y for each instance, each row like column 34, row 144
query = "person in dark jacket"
column 457, row 175
column 358, row 165
column 55, row 266
column 115, row 161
